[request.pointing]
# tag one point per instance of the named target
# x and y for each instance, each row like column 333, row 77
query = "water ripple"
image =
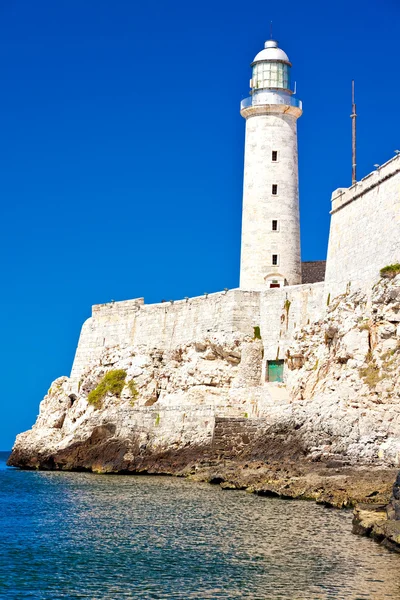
column 75, row 535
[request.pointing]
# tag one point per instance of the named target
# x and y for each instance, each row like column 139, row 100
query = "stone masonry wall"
column 284, row 309
column 365, row 230
column 166, row 326
column 231, row 435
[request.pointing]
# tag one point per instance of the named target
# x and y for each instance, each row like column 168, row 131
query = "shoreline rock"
column 381, row 522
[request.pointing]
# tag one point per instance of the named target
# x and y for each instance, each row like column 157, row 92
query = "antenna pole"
column 353, row 136
column 270, row 31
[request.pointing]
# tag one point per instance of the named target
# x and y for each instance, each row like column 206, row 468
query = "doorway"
column 275, row 370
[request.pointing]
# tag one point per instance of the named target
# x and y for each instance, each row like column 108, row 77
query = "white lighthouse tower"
column 270, row 251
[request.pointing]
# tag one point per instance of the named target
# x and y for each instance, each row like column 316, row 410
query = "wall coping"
column 344, row 196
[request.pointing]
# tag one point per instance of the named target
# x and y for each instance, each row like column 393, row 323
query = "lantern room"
column 271, row 69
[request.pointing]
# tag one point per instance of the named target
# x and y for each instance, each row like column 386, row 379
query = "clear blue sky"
column 121, row 149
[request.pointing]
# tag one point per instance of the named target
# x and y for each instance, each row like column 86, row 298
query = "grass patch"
column 390, row 271
column 157, row 421
column 257, row 333
column 112, row 383
column 370, row 375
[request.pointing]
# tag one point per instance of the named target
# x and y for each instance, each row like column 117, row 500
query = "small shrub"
column 133, row 390
column 390, row 271
column 246, row 415
column 363, row 326
column 257, row 333
column 112, row 383
column 157, row 421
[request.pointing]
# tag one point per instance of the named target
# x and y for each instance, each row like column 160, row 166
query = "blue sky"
column 121, row 149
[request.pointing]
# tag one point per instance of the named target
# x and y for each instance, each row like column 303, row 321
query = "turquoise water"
column 78, row 535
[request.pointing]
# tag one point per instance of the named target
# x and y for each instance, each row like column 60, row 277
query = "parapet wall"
column 365, row 230
column 168, row 325
column 164, row 326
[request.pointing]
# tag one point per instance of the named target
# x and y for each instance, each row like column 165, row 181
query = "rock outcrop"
column 192, row 408
column 380, row 522
column 344, row 377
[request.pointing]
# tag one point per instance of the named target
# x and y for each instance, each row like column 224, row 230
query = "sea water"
column 80, row 535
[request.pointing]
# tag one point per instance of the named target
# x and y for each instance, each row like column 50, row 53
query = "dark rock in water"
column 381, row 522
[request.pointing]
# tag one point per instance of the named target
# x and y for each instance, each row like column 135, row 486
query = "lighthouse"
column 270, row 248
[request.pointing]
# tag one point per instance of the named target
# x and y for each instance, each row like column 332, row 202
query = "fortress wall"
column 165, row 325
column 282, row 310
column 365, row 229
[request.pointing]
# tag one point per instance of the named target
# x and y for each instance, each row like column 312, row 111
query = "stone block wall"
column 284, row 309
column 165, row 325
column 365, row 230
column 232, row 435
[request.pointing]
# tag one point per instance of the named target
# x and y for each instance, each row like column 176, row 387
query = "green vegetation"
column 246, row 415
column 257, row 333
column 157, row 421
column 112, row 383
column 370, row 374
column 364, row 325
column 286, row 306
column 390, row 271
column 328, row 300
column 133, row 390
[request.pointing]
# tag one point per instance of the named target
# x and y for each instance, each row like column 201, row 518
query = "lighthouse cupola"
column 270, row 250
column 271, row 69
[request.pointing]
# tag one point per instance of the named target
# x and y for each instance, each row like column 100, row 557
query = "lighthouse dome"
column 272, row 52
column 271, row 69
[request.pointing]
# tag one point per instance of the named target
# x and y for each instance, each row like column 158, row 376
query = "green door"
column 275, row 370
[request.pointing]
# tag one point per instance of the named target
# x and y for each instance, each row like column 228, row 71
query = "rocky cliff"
column 201, row 404
column 344, row 377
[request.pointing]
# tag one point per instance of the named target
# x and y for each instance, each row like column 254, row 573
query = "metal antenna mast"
column 270, row 31
column 353, row 117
